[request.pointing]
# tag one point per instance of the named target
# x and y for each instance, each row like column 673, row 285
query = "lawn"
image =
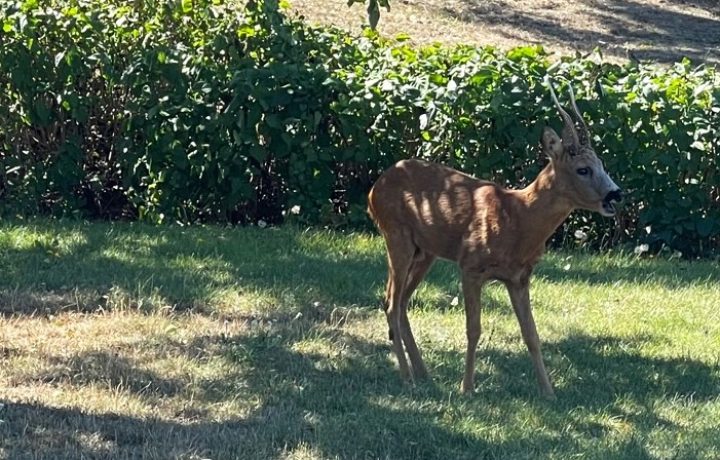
column 131, row 341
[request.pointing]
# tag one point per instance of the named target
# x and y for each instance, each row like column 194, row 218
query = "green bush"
column 202, row 111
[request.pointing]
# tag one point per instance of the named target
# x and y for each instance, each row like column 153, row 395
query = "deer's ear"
column 552, row 145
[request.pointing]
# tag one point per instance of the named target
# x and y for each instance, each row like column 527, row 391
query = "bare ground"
column 649, row 30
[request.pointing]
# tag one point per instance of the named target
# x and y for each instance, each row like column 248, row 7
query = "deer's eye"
column 583, row 171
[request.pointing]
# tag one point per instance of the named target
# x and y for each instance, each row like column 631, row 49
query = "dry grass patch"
column 655, row 30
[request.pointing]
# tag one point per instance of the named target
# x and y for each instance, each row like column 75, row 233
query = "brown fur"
column 426, row 210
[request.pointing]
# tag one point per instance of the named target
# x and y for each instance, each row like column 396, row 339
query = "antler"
column 569, row 134
column 584, row 132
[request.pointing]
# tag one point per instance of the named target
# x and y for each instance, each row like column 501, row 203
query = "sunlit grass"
column 126, row 341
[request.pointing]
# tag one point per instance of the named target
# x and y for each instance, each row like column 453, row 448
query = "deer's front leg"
column 520, row 298
column 471, row 293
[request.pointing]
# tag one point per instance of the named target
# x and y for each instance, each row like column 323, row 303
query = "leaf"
column 387, row 85
column 496, row 101
column 705, row 227
column 273, row 120
column 258, row 153
column 699, row 145
column 59, row 58
column 521, row 52
column 423, row 121
column 373, row 10
column 42, row 112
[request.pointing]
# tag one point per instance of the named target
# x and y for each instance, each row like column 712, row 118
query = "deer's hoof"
column 421, row 373
column 467, row 388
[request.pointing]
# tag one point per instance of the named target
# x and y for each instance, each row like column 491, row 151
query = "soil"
column 662, row 31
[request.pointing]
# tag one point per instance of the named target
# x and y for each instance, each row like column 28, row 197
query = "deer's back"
column 442, row 210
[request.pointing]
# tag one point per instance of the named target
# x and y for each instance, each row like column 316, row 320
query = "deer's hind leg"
column 422, row 261
column 386, row 299
column 400, row 251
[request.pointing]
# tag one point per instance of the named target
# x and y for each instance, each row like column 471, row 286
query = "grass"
column 660, row 31
column 130, row 341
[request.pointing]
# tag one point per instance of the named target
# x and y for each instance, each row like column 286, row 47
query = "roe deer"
column 426, row 210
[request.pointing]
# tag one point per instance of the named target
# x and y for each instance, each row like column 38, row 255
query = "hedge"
column 203, row 111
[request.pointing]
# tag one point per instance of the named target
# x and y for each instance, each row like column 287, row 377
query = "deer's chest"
column 508, row 266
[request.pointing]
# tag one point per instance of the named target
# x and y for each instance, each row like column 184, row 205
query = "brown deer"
column 426, row 210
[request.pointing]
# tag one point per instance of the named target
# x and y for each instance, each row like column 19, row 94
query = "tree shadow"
column 599, row 368
column 184, row 268
column 107, row 369
column 120, row 265
column 336, row 410
column 584, row 267
column 648, row 31
column 348, row 401
column 594, row 371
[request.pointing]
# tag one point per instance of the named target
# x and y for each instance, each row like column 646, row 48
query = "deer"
column 425, row 211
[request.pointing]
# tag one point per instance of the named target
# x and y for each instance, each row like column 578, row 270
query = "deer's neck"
column 542, row 208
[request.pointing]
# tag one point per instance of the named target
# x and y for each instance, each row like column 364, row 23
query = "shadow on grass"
column 185, row 268
column 342, row 398
column 182, row 267
column 345, row 400
column 338, row 410
column 107, row 369
column 586, row 268
column 649, row 31
column 599, row 368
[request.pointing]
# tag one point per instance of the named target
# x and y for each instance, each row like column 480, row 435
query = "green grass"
column 131, row 341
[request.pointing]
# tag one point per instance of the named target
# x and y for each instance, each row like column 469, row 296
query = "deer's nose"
column 615, row 195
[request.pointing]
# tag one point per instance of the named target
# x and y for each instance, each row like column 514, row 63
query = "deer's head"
column 579, row 173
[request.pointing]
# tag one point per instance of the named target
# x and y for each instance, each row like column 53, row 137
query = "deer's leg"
column 388, row 293
column 422, row 262
column 471, row 293
column 388, row 289
column 400, row 254
column 420, row 266
column 520, row 298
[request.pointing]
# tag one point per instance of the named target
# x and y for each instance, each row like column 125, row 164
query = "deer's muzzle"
column 610, row 200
